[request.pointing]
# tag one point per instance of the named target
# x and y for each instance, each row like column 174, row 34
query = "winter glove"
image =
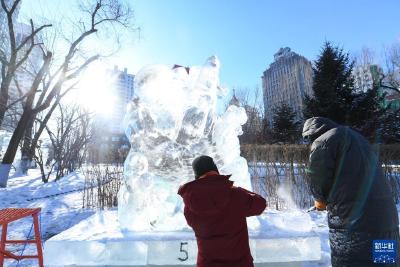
column 320, row 205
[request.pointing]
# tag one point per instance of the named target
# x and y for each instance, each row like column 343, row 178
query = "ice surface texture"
column 172, row 120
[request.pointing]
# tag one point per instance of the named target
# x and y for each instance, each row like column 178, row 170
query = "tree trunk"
column 26, row 156
column 12, row 148
column 3, row 108
column 4, row 171
column 5, row 84
column 42, row 171
column 42, row 126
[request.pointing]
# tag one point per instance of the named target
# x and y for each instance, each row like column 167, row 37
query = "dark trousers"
column 354, row 249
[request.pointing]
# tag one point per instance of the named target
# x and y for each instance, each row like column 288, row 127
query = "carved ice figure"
column 171, row 121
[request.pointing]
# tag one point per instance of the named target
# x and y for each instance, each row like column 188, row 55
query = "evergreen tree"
column 368, row 114
column 371, row 117
column 285, row 128
column 390, row 130
column 333, row 86
column 335, row 97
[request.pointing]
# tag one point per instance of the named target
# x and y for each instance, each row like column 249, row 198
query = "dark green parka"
column 345, row 173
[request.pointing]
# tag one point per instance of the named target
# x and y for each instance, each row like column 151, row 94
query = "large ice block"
column 99, row 241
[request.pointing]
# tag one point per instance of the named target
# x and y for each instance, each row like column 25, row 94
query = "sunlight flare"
column 96, row 90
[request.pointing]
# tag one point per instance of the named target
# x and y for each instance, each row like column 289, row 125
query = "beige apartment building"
column 287, row 80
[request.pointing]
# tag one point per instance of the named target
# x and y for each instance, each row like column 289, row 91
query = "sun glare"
column 96, row 90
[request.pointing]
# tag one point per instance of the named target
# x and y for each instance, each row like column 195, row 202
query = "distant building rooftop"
column 234, row 101
column 283, row 52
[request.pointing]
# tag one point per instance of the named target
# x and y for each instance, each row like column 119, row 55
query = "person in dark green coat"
column 346, row 178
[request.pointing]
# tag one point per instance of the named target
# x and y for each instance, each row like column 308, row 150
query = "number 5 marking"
column 184, row 251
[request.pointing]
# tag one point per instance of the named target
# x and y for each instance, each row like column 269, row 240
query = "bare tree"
column 54, row 77
column 39, row 159
column 251, row 101
column 14, row 54
column 31, row 138
column 69, row 141
column 391, row 80
column 365, row 57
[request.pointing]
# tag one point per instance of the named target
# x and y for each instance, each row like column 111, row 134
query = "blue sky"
column 246, row 34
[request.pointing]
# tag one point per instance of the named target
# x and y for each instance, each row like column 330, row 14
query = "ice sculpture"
column 171, row 121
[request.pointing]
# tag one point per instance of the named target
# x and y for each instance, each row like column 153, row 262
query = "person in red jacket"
column 217, row 211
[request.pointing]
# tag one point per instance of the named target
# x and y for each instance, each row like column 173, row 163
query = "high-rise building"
column 123, row 84
column 3, row 23
column 109, row 134
column 365, row 76
column 287, row 80
column 33, row 62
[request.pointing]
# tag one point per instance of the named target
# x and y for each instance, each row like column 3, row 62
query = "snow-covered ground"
column 62, row 202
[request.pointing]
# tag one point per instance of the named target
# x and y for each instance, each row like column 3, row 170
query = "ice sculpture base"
column 98, row 241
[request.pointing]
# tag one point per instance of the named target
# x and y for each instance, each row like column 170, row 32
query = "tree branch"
column 37, row 80
column 82, row 67
column 22, row 96
column 11, row 24
column 31, row 36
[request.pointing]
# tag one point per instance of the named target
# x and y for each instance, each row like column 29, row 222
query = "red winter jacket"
column 217, row 211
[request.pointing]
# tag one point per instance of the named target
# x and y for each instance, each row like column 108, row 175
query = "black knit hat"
column 202, row 165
